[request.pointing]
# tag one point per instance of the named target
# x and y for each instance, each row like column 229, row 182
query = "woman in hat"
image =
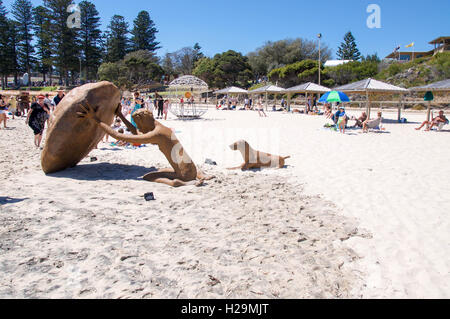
column 36, row 118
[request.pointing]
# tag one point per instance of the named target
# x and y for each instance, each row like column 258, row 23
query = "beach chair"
column 441, row 126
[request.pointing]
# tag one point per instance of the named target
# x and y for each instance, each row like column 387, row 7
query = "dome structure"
column 188, row 81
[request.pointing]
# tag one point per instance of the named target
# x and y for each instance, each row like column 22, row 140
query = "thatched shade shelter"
column 306, row 88
column 371, row 87
column 268, row 89
column 441, row 86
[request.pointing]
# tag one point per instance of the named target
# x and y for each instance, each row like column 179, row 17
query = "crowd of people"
column 37, row 111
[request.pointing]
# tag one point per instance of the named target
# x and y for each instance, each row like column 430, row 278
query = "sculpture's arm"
column 89, row 113
column 127, row 123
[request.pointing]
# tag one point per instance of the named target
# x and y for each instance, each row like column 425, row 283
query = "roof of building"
column 336, row 62
column 439, row 40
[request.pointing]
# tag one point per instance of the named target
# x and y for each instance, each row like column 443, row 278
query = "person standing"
column 49, row 102
column 3, row 111
column 138, row 104
column 36, row 118
column 13, row 105
column 58, row 98
column 166, row 109
column 160, row 106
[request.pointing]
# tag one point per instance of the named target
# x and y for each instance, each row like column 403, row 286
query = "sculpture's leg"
column 239, row 167
column 168, row 176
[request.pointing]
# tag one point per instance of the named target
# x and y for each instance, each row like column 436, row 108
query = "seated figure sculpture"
column 149, row 131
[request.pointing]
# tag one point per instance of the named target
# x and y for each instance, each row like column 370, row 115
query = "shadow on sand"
column 104, row 171
column 9, row 200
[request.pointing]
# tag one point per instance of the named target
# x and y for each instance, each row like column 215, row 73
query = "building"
column 441, row 44
column 336, row 62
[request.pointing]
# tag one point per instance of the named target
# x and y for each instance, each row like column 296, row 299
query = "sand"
column 351, row 216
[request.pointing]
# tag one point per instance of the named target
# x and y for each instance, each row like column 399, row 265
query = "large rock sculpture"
column 70, row 138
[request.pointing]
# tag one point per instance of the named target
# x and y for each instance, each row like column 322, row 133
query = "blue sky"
column 244, row 25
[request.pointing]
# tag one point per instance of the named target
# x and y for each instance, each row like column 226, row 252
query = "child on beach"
column 166, row 109
column 342, row 121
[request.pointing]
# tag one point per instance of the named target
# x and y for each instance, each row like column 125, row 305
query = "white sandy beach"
column 351, row 216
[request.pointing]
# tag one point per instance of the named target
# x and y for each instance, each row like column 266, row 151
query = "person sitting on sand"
column 434, row 122
column 335, row 117
column 360, row 120
column 371, row 124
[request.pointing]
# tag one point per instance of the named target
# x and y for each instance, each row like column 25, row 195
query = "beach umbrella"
column 334, row 96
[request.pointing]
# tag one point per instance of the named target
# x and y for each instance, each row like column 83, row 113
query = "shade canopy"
column 436, row 86
column 308, row 88
column 231, row 90
column 188, row 81
column 271, row 89
column 370, row 85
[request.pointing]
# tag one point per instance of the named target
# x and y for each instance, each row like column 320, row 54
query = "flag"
column 410, row 45
column 396, row 49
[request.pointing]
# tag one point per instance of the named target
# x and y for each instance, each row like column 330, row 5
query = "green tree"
column 64, row 40
column 137, row 70
column 4, row 44
column 197, row 54
column 41, row 25
column 296, row 73
column 23, row 15
column 350, row 72
column 229, row 68
column 91, row 39
column 12, row 58
column 274, row 55
column 144, row 33
column 117, row 43
column 348, row 49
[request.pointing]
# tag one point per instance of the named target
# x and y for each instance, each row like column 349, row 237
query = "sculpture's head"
column 144, row 120
column 239, row 145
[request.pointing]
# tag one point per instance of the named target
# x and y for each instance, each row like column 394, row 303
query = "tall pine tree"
column 42, row 32
column 90, row 39
column 348, row 49
column 4, row 44
column 144, row 33
column 117, row 45
column 22, row 13
column 12, row 56
column 64, row 44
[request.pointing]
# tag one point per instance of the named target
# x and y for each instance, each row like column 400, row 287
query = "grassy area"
column 34, row 89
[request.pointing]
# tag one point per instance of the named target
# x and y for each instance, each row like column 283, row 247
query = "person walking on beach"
column 13, row 105
column 36, row 118
column 261, row 109
column 3, row 111
column 57, row 99
column 160, row 107
column 48, row 102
